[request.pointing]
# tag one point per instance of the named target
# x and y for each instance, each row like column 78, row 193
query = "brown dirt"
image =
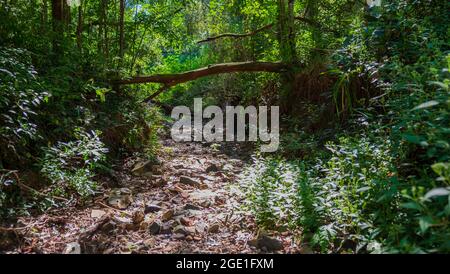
column 221, row 225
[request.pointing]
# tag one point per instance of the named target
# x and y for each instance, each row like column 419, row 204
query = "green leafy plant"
column 71, row 166
column 21, row 94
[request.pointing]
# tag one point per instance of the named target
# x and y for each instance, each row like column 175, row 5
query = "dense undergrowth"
column 381, row 182
column 64, row 132
column 364, row 159
column 61, row 126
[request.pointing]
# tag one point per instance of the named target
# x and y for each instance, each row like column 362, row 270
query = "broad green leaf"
column 428, row 104
column 436, row 192
column 412, row 205
column 441, row 168
column 425, row 223
column 412, row 138
column 440, row 84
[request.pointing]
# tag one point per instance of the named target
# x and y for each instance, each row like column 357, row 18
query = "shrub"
column 71, row 166
column 21, row 94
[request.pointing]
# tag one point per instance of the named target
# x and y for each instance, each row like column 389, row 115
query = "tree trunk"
column 80, row 26
column 105, row 28
column 44, row 16
column 57, row 22
column 121, row 30
column 286, row 40
column 66, row 13
column 312, row 9
column 102, row 28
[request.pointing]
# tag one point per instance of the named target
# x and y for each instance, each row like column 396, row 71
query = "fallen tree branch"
column 169, row 80
column 154, row 95
column 236, row 35
column 30, row 189
column 310, row 22
column 90, row 232
column 28, row 226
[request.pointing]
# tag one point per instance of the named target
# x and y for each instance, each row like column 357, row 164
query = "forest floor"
column 189, row 201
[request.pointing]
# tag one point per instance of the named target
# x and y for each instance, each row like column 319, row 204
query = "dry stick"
column 115, row 209
column 91, row 231
column 154, row 95
column 30, row 189
column 236, row 35
column 266, row 27
column 20, row 228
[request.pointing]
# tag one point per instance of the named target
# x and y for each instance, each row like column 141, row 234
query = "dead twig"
column 90, row 232
column 30, row 189
column 20, row 228
column 112, row 208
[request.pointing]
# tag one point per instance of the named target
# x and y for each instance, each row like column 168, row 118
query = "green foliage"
column 21, row 93
column 377, row 181
column 71, row 166
column 269, row 183
column 52, row 82
column 385, row 186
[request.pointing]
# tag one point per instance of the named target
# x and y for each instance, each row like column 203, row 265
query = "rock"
column 265, row 242
column 180, row 230
column 191, row 230
column 142, row 167
column 108, row 251
column 197, row 238
column 206, row 203
column 156, row 169
column 120, row 198
column 126, row 223
column 144, row 225
column 96, row 213
column 138, row 217
column 167, row 215
column 149, row 243
column 212, row 168
column 166, row 229
column 108, row 227
column 176, row 189
column 72, row 248
column 155, row 228
column 189, row 181
column 159, row 181
column 192, row 207
column 201, row 227
column 185, row 221
column 151, row 208
column 179, row 236
column 119, row 202
column 214, row 228
column 147, row 174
